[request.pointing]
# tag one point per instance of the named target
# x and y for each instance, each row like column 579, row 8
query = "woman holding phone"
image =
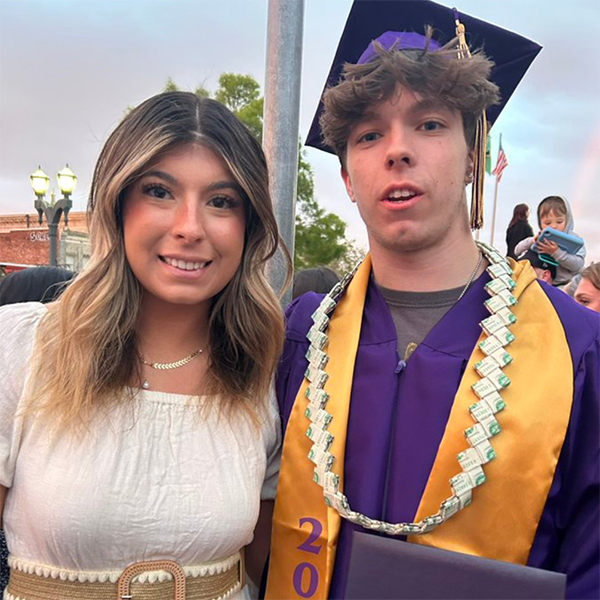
column 138, row 431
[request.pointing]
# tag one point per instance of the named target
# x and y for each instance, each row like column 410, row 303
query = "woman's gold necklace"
column 167, row 366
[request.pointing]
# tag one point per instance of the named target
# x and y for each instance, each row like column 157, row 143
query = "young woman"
column 587, row 292
column 518, row 229
column 137, row 428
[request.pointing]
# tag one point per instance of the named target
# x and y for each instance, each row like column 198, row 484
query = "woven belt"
column 29, row 586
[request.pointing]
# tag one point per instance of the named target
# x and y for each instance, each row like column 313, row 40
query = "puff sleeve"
column 18, row 325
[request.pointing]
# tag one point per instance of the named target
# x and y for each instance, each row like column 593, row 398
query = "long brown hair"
column 86, row 351
column 520, row 213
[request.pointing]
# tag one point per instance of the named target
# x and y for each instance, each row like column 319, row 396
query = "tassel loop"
column 479, row 162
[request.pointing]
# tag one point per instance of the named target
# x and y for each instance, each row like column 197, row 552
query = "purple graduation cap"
column 369, row 19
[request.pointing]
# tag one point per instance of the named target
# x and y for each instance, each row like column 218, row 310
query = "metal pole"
column 53, row 228
column 495, row 200
column 494, row 213
column 281, row 119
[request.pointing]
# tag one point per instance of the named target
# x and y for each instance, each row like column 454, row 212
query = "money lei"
column 483, row 411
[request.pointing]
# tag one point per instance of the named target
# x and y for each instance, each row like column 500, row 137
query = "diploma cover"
column 391, row 569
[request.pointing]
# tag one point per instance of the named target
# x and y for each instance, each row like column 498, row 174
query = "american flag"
column 501, row 163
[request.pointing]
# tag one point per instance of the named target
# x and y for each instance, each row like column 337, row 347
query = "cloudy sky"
column 69, row 68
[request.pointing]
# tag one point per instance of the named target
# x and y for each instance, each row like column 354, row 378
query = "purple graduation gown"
column 398, row 413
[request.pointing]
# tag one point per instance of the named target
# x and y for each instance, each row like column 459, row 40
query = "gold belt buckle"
column 124, row 581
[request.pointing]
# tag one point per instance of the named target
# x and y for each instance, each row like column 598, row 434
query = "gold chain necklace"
column 472, row 278
column 167, row 366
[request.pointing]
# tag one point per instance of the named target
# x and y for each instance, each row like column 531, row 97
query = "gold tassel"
column 463, row 47
column 480, row 139
column 478, row 173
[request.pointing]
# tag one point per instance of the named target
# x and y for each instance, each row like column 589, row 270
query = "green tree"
column 237, row 91
column 241, row 94
column 170, row 86
column 202, row 92
column 320, row 238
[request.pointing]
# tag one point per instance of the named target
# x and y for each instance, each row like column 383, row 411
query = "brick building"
column 23, row 243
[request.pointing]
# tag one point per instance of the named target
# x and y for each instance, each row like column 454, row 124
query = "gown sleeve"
column 578, row 519
column 272, row 429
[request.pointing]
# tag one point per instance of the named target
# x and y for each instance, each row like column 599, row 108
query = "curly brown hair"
column 459, row 84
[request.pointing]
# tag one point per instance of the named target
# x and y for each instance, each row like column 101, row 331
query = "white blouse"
column 157, row 480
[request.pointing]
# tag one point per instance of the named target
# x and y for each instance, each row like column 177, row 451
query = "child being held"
column 555, row 212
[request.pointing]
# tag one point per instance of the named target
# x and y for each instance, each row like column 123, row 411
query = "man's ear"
column 347, row 183
column 470, row 167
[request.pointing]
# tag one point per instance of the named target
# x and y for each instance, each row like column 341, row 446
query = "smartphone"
column 566, row 241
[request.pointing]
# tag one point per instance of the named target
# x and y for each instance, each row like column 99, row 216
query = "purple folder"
column 390, row 569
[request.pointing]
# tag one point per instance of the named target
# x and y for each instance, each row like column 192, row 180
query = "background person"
column 518, row 229
column 544, row 266
column 588, row 290
column 167, row 439
column 555, row 212
column 36, row 284
column 316, row 279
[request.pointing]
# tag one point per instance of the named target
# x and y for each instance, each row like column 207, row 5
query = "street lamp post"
column 53, row 210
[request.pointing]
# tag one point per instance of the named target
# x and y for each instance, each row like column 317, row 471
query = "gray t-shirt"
column 415, row 314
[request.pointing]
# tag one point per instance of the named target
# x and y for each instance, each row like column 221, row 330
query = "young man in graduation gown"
column 443, row 395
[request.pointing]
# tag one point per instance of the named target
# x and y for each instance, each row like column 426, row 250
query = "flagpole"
column 488, row 170
column 494, row 213
column 495, row 196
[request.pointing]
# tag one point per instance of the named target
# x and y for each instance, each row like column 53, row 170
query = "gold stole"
column 502, row 521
